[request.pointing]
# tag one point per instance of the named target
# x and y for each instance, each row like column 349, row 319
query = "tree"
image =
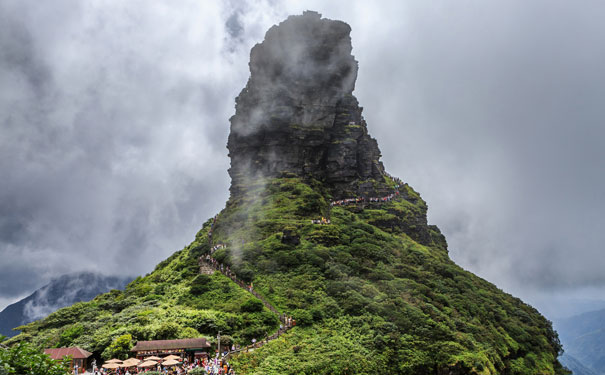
column 119, row 348
column 70, row 334
column 23, row 359
column 167, row 331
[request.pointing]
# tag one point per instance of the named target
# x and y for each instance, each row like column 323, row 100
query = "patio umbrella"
column 172, row 356
column 147, row 364
column 110, row 366
column 153, row 358
column 171, row 362
column 130, row 362
column 114, row 360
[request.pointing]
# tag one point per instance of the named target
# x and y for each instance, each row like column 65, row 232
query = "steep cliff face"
column 297, row 114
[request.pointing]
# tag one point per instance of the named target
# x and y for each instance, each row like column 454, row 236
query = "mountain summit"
column 315, row 233
column 297, row 114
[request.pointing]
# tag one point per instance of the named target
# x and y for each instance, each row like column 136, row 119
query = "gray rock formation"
column 297, row 114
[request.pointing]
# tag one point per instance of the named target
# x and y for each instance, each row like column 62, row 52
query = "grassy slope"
column 157, row 306
column 368, row 298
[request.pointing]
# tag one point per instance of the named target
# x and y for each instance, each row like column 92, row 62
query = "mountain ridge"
column 582, row 337
column 62, row 291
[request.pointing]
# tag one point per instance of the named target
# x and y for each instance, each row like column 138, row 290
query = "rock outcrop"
column 297, row 114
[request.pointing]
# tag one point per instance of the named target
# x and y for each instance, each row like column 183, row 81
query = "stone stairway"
column 210, row 265
column 206, row 269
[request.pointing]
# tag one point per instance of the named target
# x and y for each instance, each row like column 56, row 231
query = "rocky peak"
column 297, row 114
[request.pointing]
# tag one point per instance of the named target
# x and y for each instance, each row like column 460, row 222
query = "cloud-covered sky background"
column 114, row 120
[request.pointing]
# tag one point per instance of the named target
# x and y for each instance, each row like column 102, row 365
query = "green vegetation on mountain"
column 24, row 359
column 160, row 305
column 372, row 292
column 367, row 297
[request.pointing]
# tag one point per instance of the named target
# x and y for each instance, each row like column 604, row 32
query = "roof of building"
column 74, row 352
column 171, row 344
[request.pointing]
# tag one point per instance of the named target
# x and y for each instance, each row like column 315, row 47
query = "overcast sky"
column 114, row 120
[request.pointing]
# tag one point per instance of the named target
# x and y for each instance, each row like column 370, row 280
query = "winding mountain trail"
column 208, row 265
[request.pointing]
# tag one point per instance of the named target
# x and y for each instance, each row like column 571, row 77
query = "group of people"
column 216, row 247
column 214, row 366
column 322, row 221
column 357, row 200
column 220, row 267
column 212, row 228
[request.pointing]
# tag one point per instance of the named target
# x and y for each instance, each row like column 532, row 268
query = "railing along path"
column 207, row 262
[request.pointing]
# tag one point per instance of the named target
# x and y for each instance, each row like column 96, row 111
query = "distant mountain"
column 60, row 292
column 562, row 307
column 583, row 338
column 576, row 367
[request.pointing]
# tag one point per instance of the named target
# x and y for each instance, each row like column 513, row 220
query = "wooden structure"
column 79, row 357
column 184, row 348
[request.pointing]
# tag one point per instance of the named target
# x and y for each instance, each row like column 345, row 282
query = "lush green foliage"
column 24, row 359
column 119, row 348
column 171, row 302
column 252, row 305
column 380, row 276
column 373, row 293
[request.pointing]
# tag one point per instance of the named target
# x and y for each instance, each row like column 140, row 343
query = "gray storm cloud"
column 114, row 120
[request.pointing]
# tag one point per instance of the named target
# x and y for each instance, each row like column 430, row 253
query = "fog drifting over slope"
column 114, row 120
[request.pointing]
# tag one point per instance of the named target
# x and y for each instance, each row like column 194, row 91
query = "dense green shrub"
column 246, row 274
column 200, row 284
column 167, row 331
column 23, row 359
column 252, row 305
column 70, row 334
column 119, row 348
column 302, row 317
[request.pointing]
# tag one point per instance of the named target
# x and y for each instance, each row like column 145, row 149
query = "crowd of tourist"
column 357, row 200
column 216, row 247
column 213, row 366
column 322, row 221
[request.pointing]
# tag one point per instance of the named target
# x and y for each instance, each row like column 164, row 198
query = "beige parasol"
column 114, row 360
column 110, row 366
column 147, row 364
column 130, row 362
column 172, row 356
column 153, row 358
column 170, row 362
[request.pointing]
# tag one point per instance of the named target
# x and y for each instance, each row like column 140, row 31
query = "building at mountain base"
column 186, row 348
column 78, row 357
